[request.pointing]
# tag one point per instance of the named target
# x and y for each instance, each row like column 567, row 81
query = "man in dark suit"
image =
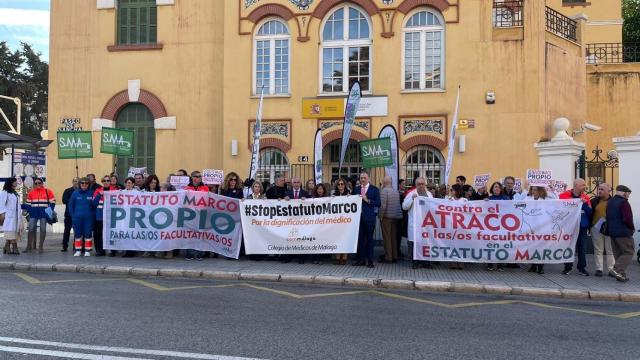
column 296, row 192
column 370, row 205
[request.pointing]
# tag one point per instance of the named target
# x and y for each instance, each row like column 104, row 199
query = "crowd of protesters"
column 606, row 219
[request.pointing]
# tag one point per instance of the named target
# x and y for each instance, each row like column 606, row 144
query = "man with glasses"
column 407, row 204
column 66, row 196
column 296, row 192
column 370, row 206
column 37, row 202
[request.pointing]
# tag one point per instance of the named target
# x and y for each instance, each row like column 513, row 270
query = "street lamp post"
column 19, row 108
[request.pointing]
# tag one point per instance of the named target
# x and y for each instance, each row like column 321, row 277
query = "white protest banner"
column 137, row 170
column 539, row 177
column 480, row 181
column 212, row 177
column 496, row 231
column 313, row 226
column 179, row 182
column 558, row 186
column 171, row 220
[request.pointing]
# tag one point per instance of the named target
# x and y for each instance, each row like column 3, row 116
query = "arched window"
column 272, row 163
column 423, row 65
column 137, row 22
column 425, row 161
column 271, row 58
column 345, row 51
column 137, row 118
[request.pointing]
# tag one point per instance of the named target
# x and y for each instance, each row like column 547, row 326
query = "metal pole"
column 19, row 119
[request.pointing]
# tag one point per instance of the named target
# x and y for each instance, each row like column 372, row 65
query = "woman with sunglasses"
column 38, row 200
column 341, row 190
column 83, row 215
column 98, row 204
column 232, row 186
column 11, row 209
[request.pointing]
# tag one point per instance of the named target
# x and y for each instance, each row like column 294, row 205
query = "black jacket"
column 66, row 196
column 276, row 192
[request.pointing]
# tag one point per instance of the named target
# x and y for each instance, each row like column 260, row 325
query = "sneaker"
column 87, row 254
column 599, row 273
column 77, row 253
column 490, row 268
column 566, row 271
column 583, row 272
column 189, row 258
column 500, row 269
column 199, row 258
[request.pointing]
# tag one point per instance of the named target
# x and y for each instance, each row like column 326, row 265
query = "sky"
column 26, row 21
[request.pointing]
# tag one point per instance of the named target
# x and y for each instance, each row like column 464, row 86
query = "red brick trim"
column 337, row 134
column 263, row 11
column 323, row 8
column 113, row 48
column 423, row 140
column 121, row 99
column 408, row 5
column 274, row 143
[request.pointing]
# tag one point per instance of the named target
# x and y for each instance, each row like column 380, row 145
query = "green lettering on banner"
column 116, row 214
column 75, row 145
column 153, row 219
column 376, row 153
column 116, row 141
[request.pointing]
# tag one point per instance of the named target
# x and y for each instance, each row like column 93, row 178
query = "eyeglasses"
column 197, row 176
column 340, row 184
column 82, row 183
column 106, row 180
column 233, row 179
column 38, row 183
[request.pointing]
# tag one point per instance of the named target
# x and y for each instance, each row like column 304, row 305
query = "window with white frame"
column 345, row 51
column 271, row 58
column 423, row 47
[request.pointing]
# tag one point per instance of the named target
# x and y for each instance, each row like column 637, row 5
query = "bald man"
column 579, row 186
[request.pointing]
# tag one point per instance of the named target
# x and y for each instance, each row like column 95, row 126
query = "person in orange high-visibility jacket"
column 38, row 200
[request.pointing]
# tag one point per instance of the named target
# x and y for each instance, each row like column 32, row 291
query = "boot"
column 31, row 241
column 14, row 248
column 7, row 245
column 41, row 243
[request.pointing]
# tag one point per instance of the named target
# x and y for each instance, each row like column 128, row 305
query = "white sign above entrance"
column 372, row 106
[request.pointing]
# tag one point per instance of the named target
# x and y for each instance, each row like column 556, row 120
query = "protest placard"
column 480, row 181
column 179, row 182
column 212, row 177
column 558, row 186
column 137, row 170
column 539, row 177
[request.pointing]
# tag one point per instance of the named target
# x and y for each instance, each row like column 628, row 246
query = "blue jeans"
column 581, row 251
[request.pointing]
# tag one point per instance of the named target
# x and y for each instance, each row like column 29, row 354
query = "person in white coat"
column 11, row 210
column 407, row 204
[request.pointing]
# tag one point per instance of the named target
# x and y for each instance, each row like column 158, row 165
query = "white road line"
column 63, row 354
column 175, row 354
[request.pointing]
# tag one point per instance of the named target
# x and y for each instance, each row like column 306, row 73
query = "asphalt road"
column 145, row 318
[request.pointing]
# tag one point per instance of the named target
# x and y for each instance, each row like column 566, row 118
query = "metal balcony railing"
column 561, row 25
column 507, row 13
column 613, row 53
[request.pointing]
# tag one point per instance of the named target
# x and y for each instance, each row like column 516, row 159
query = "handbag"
column 52, row 216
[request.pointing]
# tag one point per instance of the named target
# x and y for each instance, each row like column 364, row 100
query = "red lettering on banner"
column 425, row 251
column 493, row 222
column 522, row 256
column 429, row 220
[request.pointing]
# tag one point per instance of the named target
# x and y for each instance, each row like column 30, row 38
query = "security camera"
column 592, row 127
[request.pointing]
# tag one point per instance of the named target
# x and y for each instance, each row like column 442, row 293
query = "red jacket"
column 568, row 195
column 201, row 187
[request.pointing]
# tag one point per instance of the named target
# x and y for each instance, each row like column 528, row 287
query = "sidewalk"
column 473, row 279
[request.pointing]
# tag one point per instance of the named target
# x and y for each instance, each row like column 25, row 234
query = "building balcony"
column 561, row 25
column 613, row 53
column 507, row 13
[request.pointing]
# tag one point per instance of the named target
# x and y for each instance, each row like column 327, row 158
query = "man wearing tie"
column 296, row 192
column 370, row 204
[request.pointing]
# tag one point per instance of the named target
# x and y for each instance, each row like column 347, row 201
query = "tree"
column 631, row 16
column 25, row 75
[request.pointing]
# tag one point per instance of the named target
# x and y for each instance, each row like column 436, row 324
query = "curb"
column 397, row 284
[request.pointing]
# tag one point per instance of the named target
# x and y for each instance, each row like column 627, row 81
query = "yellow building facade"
column 186, row 76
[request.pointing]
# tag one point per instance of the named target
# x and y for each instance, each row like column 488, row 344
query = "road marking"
column 157, row 287
column 109, row 349
column 63, row 354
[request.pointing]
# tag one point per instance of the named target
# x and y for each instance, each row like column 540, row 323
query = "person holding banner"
column 579, row 185
column 296, row 192
column 370, row 205
column 497, row 192
column 509, row 187
column 83, row 215
column 129, row 186
column 538, row 193
column 419, row 190
column 341, row 190
column 152, row 184
column 232, row 186
column 311, row 188
column 278, row 191
column 196, row 185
